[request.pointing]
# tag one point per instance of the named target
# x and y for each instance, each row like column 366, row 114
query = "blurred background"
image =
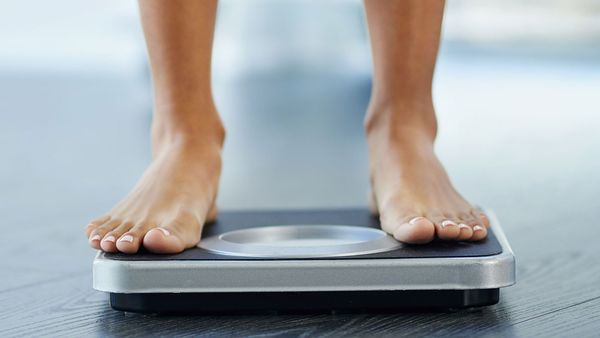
column 516, row 87
column 516, row 91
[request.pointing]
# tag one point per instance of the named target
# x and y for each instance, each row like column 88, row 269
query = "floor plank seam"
column 557, row 310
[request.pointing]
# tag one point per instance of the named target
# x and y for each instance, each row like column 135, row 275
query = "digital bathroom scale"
column 308, row 260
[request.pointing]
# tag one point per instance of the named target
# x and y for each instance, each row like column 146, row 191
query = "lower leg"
column 179, row 36
column 167, row 208
column 411, row 190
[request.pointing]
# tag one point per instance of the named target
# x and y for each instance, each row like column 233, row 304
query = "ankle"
column 181, row 128
column 395, row 119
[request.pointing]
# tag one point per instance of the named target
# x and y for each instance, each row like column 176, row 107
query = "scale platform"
column 308, row 260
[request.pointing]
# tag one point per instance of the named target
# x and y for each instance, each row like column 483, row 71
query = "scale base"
column 441, row 275
column 303, row 302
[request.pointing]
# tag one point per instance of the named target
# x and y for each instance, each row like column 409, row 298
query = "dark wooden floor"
column 519, row 138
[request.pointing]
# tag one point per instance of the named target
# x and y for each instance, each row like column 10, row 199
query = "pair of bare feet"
column 175, row 197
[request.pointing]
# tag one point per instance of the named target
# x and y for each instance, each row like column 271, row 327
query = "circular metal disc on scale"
column 300, row 241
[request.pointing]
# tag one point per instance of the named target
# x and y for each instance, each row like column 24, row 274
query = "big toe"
column 417, row 230
column 164, row 241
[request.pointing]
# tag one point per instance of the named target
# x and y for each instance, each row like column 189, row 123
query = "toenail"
column 477, row 228
column 126, row 238
column 447, row 223
column 95, row 238
column 110, row 238
column 463, row 226
column 165, row 231
column 416, row 219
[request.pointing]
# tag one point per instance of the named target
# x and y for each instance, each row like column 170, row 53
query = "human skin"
column 410, row 188
column 175, row 197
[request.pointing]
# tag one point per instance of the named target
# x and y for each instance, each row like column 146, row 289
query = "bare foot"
column 167, row 208
column 411, row 190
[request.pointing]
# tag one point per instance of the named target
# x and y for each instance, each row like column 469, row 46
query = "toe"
column 109, row 241
column 128, row 243
column 181, row 232
column 98, row 234
column 479, row 232
column 163, row 240
column 466, row 232
column 414, row 230
column 482, row 218
column 130, row 240
column 94, row 241
column 446, row 228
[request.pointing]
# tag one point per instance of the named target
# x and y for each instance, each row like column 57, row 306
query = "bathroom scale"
column 307, row 260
